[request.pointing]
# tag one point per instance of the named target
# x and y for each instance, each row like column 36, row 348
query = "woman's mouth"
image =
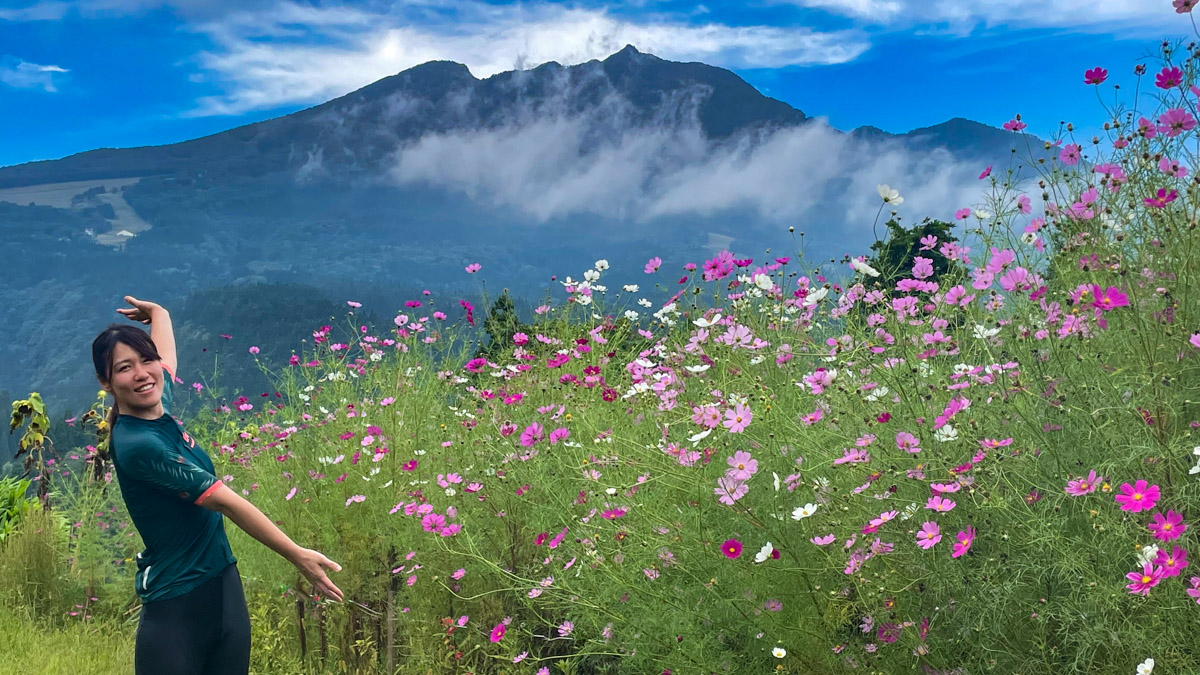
column 145, row 389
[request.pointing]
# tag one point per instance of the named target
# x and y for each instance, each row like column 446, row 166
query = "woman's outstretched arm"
column 252, row 521
column 161, row 331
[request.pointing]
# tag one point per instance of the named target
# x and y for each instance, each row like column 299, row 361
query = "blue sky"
column 81, row 74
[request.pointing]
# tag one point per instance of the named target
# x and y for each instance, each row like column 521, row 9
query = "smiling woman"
column 194, row 617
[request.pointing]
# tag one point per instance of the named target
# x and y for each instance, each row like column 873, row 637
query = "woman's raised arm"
column 161, row 331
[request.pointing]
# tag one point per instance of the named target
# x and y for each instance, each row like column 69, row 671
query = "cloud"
column 291, row 53
column 555, row 165
column 959, row 17
column 25, row 75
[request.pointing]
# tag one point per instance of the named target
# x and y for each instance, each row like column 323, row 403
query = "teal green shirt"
column 164, row 477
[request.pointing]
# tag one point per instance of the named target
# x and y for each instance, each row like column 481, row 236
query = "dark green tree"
column 501, row 323
column 895, row 252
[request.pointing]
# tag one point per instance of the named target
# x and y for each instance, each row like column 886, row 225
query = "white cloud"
column 319, row 53
column 961, row 17
column 551, row 166
column 25, row 75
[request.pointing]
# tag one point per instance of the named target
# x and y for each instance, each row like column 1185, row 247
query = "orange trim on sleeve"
column 209, row 491
column 168, row 369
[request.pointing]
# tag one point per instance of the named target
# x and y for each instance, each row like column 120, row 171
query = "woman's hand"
column 142, row 310
column 310, row 564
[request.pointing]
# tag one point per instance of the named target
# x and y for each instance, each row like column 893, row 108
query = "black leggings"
column 205, row 631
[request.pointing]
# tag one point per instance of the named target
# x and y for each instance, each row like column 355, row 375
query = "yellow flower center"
column 1166, row 527
column 1137, row 496
column 1145, row 579
column 1083, row 486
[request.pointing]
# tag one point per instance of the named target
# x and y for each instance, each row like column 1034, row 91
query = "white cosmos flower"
column 645, row 303
column 1145, row 667
column 1029, row 238
column 801, row 512
column 946, row 434
column 631, row 315
column 813, row 298
column 1148, row 553
column 591, row 275
column 779, row 652
column 705, row 323
column 775, row 476
column 983, row 332
column 764, row 552
column 755, row 360
column 602, row 264
column 630, row 288
column 697, row 369
column 982, row 215
column 876, row 393
column 763, row 281
column 583, row 299
column 700, row 436
column 889, row 195
column 863, row 268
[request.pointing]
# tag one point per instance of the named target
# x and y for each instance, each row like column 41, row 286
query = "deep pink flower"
column 929, row 535
column 1111, row 298
column 1168, row 77
column 986, row 172
column 732, row 548
column 1169, row 527
column 1096, row 75
column 498, row 632
column 964, row 541
column 1145, row 580
column 1070, row 154
column 1172, row 563
column 1194, row 591
column 1137, row 497
column 1162, row 198
column 1014, row 125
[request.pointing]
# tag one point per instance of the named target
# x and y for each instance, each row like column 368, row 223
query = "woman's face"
column 137, row 381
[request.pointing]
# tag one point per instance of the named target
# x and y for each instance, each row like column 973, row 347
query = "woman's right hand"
column 311, row 564
column 142, row 310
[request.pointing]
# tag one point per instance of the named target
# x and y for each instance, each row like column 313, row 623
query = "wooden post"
column 300, row 618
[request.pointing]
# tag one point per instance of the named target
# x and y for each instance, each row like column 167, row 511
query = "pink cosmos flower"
column 1070, row 154
column 1168, row 528
column 962, row 214
column 1172, row 563
column 986, row 172
column 729, row 490
column 1014, row 125
column 1162, row 198
column 922, row 267
column 653, row 265
column 736, row 420
column 1168, row 77
column 823, row 541
column 908, row 442
column 1111, row 298
column 742, row 466
column 458, row 574
column 929, row 535
column 1096, row 75
column 532, row 434
column 1176, row 121
column 1082, row 486
column 1145, row 580
column 964, row 541
column 1137, row 497
column 1183, row 6
column 939, row 504
column 1195, row 340
column 1194, row 591
column 498, row 632
column 732, row 548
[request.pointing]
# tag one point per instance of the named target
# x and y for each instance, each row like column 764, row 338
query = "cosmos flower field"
column 983, row 459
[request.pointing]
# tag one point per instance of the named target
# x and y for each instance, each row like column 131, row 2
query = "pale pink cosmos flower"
column 729, row 490
column 929, row 535
column 1082, row 486
column 939, row 504
column 823, row 541
column 736, row 420
column 742, row 466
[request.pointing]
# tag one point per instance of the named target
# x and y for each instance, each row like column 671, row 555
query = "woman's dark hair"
column 102, row 351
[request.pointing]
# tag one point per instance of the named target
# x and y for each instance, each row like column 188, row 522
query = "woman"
column 194, row 617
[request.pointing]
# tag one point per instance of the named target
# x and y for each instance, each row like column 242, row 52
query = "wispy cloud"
column 550, row 165
column 21, row 74
column 311, row 54
column 960, row 17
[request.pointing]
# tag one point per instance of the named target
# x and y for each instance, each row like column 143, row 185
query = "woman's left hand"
column 142, row 310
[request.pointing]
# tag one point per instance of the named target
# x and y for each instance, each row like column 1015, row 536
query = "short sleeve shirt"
column 164, row 478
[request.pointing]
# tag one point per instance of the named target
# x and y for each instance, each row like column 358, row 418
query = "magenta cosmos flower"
column 1083, row 486
column 1137, row 497
column 1145, row 580
column 732, row 548
column 1172, row 563
column 964, row 541
column 498, row 632
column 1194, row 591
column 1108, row 299
column 1162, row 198
column 1169, row 527
column 929, row 535
column 1096, row 75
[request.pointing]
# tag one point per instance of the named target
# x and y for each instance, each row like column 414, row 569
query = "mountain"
column 401, row 183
